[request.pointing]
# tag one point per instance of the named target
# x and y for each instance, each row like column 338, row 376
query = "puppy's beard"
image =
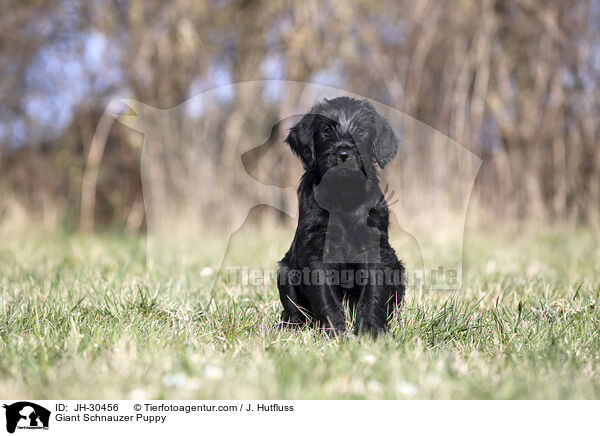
column 346, row 175
column 343, row 188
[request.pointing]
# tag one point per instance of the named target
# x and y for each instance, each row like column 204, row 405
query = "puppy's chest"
column 339, row 241
column 351, row 243
column 347, row 237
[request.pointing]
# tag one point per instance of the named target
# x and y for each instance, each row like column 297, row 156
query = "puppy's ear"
column 301, row 140
column 385, row 144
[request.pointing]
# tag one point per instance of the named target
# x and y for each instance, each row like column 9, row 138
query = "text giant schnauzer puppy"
column 341, row 250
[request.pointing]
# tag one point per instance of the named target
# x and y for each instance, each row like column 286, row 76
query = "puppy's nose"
column 343, row 155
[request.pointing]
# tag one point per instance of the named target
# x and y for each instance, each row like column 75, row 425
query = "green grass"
column 80, row 318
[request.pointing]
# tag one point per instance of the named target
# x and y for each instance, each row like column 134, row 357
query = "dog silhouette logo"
column 26, row 415
column 210, row 163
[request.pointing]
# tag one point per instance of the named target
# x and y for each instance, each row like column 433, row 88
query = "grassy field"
column 80, row 318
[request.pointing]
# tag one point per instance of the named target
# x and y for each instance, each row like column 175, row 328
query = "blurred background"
column 516, row 82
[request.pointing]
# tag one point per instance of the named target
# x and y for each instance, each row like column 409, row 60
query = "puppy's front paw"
column 333, row 332
column 364, row 326
column 289, row 321
column 332, row 328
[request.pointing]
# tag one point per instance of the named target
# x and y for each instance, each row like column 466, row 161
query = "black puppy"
column 341, row 250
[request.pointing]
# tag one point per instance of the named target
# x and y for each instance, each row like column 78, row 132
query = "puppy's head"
column 344, row 134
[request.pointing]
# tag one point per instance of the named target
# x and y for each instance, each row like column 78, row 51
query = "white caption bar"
column 266, row 417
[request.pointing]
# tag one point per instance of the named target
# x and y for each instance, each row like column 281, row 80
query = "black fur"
column 343, row 220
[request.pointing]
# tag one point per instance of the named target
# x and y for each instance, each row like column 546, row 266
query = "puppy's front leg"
column 371, row 313
column 326, row 309
column 325, row 304
column 292, row 315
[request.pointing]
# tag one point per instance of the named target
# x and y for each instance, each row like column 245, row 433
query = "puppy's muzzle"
column 345, row 155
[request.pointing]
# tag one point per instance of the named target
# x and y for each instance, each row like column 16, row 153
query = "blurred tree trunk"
column 92, row 168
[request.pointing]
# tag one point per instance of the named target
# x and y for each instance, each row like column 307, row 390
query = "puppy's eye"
column 327, row 130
